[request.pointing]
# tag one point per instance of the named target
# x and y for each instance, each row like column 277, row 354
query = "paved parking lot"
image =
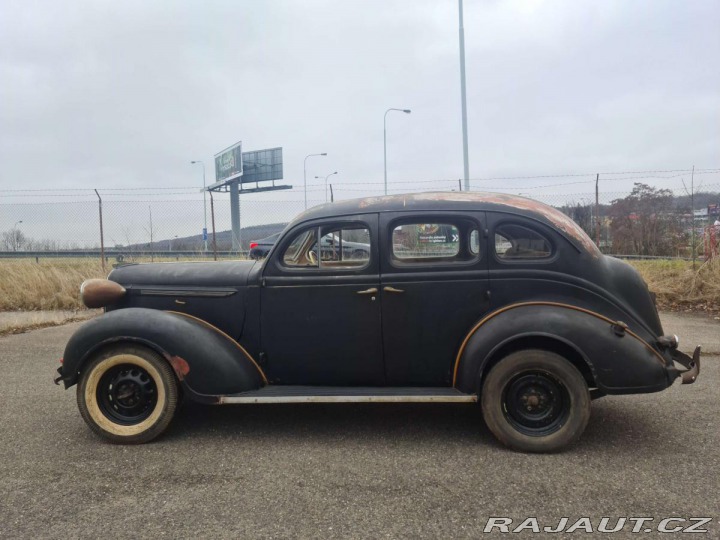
column 344, row 471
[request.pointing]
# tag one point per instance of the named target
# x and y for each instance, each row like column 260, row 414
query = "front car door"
column 434, row 281
column 320, row 307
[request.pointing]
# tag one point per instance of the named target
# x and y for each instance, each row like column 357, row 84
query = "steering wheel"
column 312, row 257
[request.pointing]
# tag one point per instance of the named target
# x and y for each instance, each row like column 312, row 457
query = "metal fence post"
column 597, row 211
column 102, row 238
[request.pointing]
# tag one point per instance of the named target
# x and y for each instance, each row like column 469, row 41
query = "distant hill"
column 223, row 239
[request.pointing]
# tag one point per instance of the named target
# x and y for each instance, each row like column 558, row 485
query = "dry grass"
column 49, row 284
column 679, row 287
column 55, row 284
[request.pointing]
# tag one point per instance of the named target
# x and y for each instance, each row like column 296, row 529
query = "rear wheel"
column 535, row 401
column 127, row 394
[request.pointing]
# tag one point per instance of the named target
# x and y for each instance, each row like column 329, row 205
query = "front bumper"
column 692, row 365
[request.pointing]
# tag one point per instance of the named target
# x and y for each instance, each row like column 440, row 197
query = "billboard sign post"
column 229, row 163
column 240, row 172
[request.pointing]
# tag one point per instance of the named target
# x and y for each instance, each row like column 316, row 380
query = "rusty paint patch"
column 180, row 366
column 553, row 215
column 562, row 222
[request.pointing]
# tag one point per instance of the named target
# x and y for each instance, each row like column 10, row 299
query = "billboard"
column 229, row 163
column 262, row 165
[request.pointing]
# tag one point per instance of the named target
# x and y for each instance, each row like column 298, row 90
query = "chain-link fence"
column 636, row 213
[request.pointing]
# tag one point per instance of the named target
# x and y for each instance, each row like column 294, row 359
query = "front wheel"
column 535, row 401
column 127, row 394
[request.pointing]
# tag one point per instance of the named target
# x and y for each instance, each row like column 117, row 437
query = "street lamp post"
column 326, row 182
column 204, row 202
column 406, row 111
column 305, row 173
column 463, row 97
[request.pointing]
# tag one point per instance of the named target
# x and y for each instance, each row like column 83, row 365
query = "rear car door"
column 320, row 307
column 434, row 284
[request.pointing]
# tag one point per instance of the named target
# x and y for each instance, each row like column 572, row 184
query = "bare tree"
column 646, row 222
column 14, row 239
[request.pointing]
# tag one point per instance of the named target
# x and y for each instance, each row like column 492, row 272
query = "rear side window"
column 441, row 241
column 517, row 242
column 425, row 241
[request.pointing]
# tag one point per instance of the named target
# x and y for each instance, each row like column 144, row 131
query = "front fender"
column 619, row 360
column 205, row 360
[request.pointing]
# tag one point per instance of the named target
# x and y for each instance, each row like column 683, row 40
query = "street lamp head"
column 324, row 154
column 406, row 111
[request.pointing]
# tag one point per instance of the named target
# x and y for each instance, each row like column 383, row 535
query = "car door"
column 320, row 307
column 434, row 285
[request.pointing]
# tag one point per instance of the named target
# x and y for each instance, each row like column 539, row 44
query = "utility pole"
column 692, row 213
column 466, row 162
column 692, row 204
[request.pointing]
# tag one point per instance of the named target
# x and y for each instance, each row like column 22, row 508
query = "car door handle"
column 372, row 290
column 393, row 289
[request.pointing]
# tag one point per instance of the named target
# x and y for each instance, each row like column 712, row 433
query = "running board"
column 348, row 394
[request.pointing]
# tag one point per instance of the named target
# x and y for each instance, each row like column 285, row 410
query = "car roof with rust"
column 455, row 201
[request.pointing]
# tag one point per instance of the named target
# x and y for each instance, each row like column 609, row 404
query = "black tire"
column 535, row 401
column 128, row 394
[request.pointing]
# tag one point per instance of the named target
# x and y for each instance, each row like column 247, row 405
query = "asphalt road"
column 344, row 471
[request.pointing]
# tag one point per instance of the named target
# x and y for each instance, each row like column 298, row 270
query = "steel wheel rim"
column 127, row 394
column 536, row 403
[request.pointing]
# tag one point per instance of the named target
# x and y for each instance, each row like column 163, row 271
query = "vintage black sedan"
column 444, row 297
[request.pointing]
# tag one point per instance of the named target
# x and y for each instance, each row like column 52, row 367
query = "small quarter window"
column 515, row 242
column 298, row 253
column 475, row 242
column 425, row 242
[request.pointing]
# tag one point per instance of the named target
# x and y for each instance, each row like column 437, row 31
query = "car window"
column 339, row 247
column 425, row 242
column 475, row 242
column 298, row 252
column 347, row 246
column 513, row 242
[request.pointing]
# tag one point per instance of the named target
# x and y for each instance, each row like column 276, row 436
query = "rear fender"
column 206, row 361
column 616, row 359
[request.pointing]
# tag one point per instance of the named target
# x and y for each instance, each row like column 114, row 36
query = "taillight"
column 253, row 245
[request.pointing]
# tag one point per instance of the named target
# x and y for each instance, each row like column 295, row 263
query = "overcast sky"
column 125, row 94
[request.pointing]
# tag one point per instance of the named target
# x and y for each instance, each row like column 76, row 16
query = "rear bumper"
column 692, row 366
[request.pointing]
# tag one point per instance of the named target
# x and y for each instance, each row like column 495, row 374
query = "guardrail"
column 119, row 255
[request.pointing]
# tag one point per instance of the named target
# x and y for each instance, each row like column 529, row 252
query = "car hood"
column 199, row 274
